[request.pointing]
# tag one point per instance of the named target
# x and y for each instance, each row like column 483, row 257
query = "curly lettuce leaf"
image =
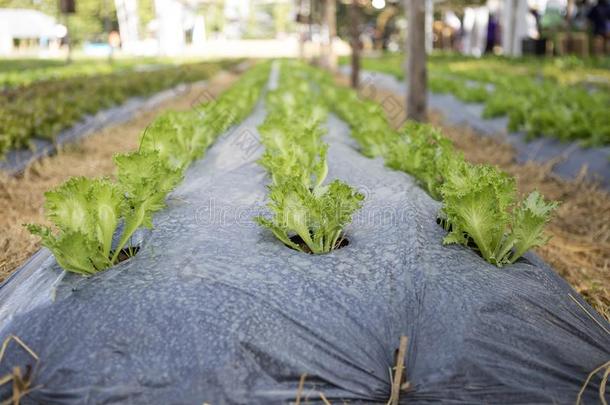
column 476, row 199
column 423, row 152
column 317, row 217
column 145, row 180
column 68, row 205
column 106, row 205
column 528, row 222
column 171, row 136
column 479, row 205
column 86, row 213
column 74, row 251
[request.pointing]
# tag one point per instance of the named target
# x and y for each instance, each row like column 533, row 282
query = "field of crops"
column 282, row 239
column 22, row 72
column 567, row 98
column 54, row 98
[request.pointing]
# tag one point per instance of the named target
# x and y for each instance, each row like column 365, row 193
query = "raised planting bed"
column 217, row 309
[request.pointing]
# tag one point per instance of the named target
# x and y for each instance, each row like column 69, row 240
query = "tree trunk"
column 330, row 20
column 416, row 60
column 301, row 31
column 354, row 29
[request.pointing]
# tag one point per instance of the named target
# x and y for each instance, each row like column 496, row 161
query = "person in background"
column 493, row 28
column 599, row 18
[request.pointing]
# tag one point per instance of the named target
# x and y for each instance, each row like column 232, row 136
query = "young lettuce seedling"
column 423, row 152
column 527, row 225
column 366, row 119
column 86, row 212
column 145, row 180
column 317, row 218
column 172, row 136
column 479, row 203
column 294, row 150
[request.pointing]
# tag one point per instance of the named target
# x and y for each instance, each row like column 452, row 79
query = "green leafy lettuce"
column 86, row 212
column 295, row 158
column 423, row 152
column 145, row 180
column 479, row 206
column 317, row 218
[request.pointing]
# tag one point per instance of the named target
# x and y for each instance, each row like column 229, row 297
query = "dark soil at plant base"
column 579, row 249
column 126, row 253
column 341, row 243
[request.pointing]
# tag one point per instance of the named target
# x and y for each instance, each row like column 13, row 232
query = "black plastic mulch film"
column 214, row 309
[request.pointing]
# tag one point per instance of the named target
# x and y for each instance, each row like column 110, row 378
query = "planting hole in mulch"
column 127, row 253
column 341, row 243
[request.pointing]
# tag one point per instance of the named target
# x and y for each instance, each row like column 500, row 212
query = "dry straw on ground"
column 21, row 382
column 22, row 197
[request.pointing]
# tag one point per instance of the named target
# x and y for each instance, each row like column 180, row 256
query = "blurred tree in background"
column 92, row 20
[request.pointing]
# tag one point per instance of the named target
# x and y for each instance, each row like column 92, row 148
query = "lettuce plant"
column 367, row 120
column 181, row 137
column 479, row 205
column 145, row 180
column 318, row 218
column 423, row 152
column 86, row 212
column 172, row 135
column 294, row 150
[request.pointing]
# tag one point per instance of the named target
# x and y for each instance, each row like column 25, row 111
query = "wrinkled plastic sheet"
column 543, row 149
column 17, row 160
column 214, row 309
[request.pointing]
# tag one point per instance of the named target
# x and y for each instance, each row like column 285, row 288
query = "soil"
column 126, row 253
column 22, row 197
column 579, row 249
column 341, row 243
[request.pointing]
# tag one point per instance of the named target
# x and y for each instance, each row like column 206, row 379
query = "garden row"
column 308, row 215
column 23, row 72
column 538, row 104
column 44, row 108
column 480, row 208
column 88, row 214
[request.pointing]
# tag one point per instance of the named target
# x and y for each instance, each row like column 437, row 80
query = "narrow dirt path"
column 22, row 197
column 579, row 249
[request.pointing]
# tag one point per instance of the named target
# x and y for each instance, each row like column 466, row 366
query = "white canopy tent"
column 25, row 24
